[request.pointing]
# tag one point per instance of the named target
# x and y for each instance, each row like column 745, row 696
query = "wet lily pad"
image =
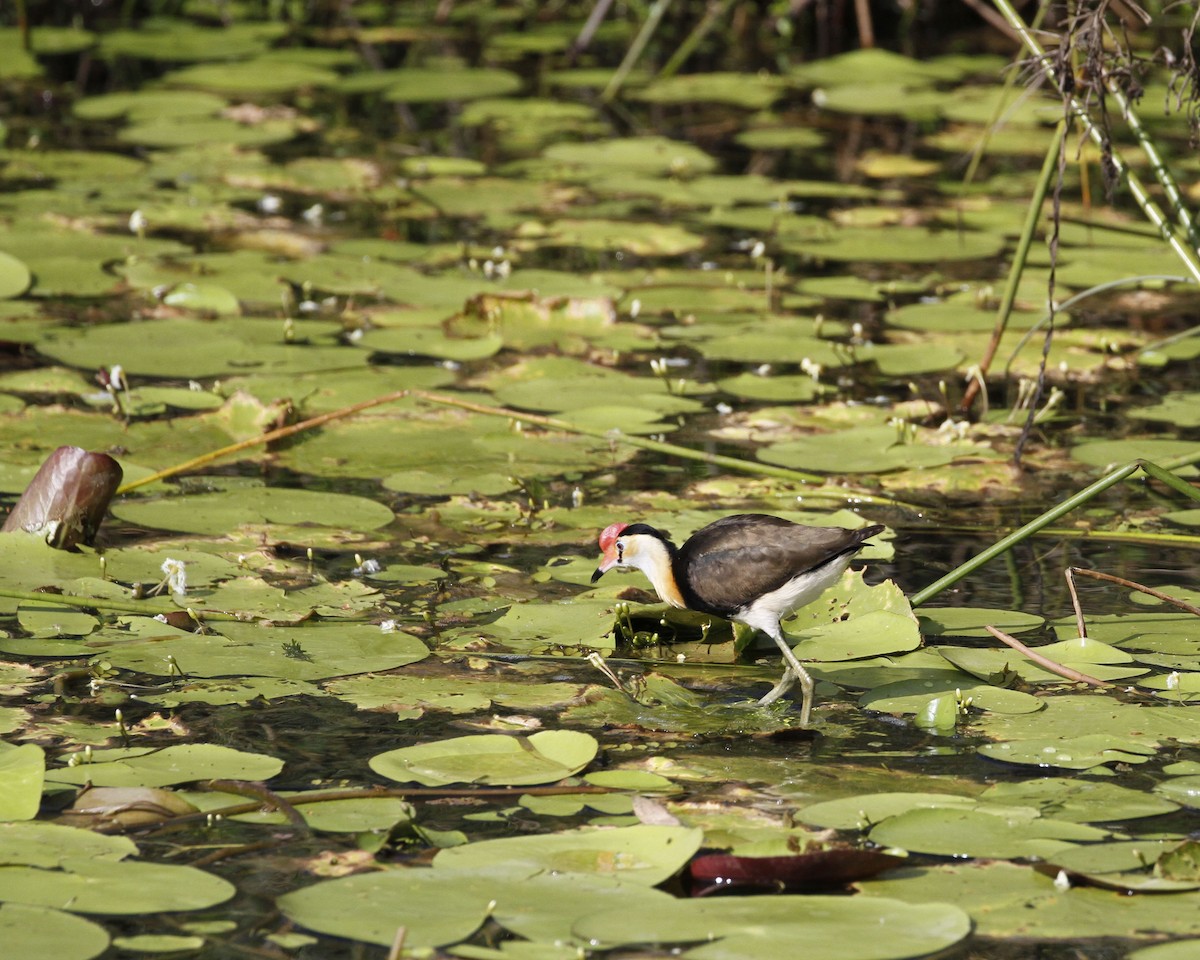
column 736, row 89
column 1001, row 833
column 437, row 86
column 144, row 767
column 36, row 931
column 21, row 772
column 217, row 513
column 867, row 450
column 642, row 855
column 658, row 156
column 14, row 276
column 258, row 76
column 114, row 888
column 1006, row 900
column 771, row 926
column 1085, row 801
column 493, row 759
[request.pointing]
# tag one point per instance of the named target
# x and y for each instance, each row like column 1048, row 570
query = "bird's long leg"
column 792, row 671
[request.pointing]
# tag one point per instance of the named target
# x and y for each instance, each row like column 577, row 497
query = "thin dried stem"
column 1045, row 662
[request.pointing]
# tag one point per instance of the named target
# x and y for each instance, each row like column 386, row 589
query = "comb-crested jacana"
column 752, row 568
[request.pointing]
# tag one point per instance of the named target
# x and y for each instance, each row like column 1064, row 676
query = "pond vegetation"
column 343, row 687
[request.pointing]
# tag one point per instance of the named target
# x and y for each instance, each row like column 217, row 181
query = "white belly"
column 766, row 612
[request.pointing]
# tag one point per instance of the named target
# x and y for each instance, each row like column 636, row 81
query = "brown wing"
column 738, row 559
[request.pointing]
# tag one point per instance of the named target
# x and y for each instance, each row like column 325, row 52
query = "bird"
column 752, row 568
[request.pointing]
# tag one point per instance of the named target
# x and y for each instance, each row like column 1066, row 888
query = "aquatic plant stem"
column 261, row 440
column 634, row 53
column 1079, row 111
column 1045, row 662
column 713, row 13
column 550, row 423
column 1032, row 217
column 1162, row 473
column 616, row 436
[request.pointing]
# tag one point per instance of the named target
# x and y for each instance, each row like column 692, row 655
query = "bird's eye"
column 620, row 550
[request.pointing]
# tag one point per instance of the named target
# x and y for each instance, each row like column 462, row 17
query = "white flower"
column 137, row 222
column 176, row 576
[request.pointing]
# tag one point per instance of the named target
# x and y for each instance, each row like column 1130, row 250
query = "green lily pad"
column 33, row 931
column 1070, row 753
column 1006, row 900
column 998, row 833
column 1083, row 801
column 41, row 844
column 897, row 245
column 144, row 767
column 911, row 696
column 641, row 855
column 114, row 888
column 490, row 759
column 657, row 156
column 753, row 92
column 21, row 772
column 867, row 450
column 218, row 513
column 771, row 926
column 14, row 276
column 438, row 86
column 862, row 812
column 262, row 76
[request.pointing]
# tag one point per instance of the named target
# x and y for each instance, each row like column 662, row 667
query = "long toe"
column 783, row 686
column 806, row 688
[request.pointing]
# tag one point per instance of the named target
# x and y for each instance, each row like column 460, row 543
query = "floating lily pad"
column 212, row 513
column 1007, row 900
column 653, row 155
column 860, row 813
column 867, row 450
column 490, row 759
column 21, row 771
column 145, row 767
column 771, row 926
column 259, row 76
column 14, row 276
column 40, row 844
column 753, row 92
column 114, row 888
column 897, row 245
column 34, row 931
column 1000, row 833
column 189, row 348
column 1071, row 753
column 438, row 86
column 642, row 855
column 1084, row 801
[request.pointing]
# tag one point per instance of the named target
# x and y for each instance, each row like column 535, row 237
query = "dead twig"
column 1045, row 662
